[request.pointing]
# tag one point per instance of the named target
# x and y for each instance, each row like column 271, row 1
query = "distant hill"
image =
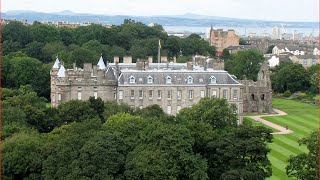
column 188, row 19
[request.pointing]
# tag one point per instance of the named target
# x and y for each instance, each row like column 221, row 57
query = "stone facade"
column 172, row 86
column 257, row 96
column 223, row 39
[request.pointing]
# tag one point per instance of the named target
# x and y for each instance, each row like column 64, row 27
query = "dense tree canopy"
column 305, row 166
column 245, row 64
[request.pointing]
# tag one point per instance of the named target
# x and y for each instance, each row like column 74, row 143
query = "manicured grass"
column 302, row 118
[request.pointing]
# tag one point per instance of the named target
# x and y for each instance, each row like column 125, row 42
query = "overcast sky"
column 285, row 10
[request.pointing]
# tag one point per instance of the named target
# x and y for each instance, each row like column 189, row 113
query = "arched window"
column 262, row 97
column 150, row 80
column 168, row 80
column 190, row 80
column 132, row 79
column 252, row 97
column 213, row 80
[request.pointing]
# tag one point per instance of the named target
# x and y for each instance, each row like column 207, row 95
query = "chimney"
column 95, row 70
column 139, row 65
column 189, row 65
column 116, row 59
column 150, row 59
column 127, row 59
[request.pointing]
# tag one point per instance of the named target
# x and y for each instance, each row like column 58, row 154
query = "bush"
column 287, row 93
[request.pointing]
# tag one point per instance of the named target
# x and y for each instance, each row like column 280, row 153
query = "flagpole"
column 159, row 46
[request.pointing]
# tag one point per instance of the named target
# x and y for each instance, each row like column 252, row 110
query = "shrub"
column 287, row 93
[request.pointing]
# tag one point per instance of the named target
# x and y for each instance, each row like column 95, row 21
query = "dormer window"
column 190, row 80
column 132, row 79
column 213, row 80
column 168, row 80
column 150, row 80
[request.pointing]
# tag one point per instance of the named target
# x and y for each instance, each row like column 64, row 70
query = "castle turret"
column 56, row 64
column 101, row 64
column 62, row 71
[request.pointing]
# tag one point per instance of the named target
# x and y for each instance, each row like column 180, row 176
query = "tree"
column 214, row 111
column 34, row 49
column 98, row 106
column 173, row 46
column 63, row 149
column 66, row 35
column 82, row 55
column 75, row 111
column 305, row 165
column 225, row 54
column 112, row 108
column 44, row 33
column 15, row 31
column 50, row 50
column 166, row 152
column 245, row 64
column 22, row 156
column 290, row 76
column 151, row 111
column 10, row 46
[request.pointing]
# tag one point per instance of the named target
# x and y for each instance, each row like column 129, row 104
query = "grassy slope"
column 302, row 119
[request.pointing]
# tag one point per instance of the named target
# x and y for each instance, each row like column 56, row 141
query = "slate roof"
column 56, row 64
column 177, row 77
column 101, row 64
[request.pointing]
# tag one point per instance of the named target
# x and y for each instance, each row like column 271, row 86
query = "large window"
column 202, row 94
column 150, row 94
column 140, row 94
column 179, row 94
column 169, row 94
column 224, row 94
column 120, row 94
column 168, row 109
column 178, row 108
column 159, row 94
column 59, row 97
column 235, row 94
column 95, row 93
column 214, row 93
column 132, row 94
column 190, row 94
column 79, row 93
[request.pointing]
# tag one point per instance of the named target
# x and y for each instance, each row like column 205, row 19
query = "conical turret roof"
column 62, row 71
column 101, row 64
column 56, row 64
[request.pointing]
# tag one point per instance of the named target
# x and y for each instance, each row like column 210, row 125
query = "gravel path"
column 282, row 130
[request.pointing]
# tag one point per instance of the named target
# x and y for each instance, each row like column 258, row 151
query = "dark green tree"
column 305, row 165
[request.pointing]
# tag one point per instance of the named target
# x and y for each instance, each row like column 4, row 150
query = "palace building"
column 172, row 86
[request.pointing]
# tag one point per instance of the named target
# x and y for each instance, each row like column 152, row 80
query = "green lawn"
column 302, row 119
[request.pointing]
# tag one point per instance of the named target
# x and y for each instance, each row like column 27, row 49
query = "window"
column 235, row 94
column 262, row 97
column 252, row 97
column 95, row 93
column 114, row 95
column 178, row 108
column 140, row 94
column 224, row 94
column 305, row 62
column 168, row 109
column 150, row 94
column 140, row 107
column 132, row 106
column 201, row 80
column 79, row 95
column 150, row 80
column 213, row 80
column 190, row 80
column 159, row 94
column 214, row 93
column 179, row 94
column 132, row 94
column 190, row 94
column 59, row 97
column 169, row 94
column 168, row 80
column 120, row 94
column 132, row 79
column 202, row 94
